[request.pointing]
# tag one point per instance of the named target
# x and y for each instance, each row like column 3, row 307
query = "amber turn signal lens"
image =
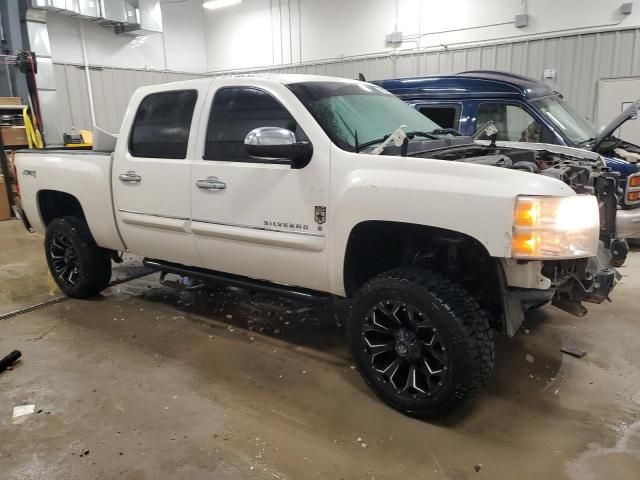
column 633, row 196
column 524, row 244
column 634, row 181
column 527, row 214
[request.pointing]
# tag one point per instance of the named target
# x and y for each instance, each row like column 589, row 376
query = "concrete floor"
column 148, row 383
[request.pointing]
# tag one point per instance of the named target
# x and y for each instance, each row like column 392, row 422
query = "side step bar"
column 300, row 294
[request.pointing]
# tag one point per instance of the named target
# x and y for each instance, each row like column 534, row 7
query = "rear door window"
column 514, row 124
column 234, row 113
column 445, row 116
column 162, row 125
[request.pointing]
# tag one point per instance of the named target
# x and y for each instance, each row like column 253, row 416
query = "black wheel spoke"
column 432, row 370
column 439, row 356
column 408, row 385
column 404, row 349
column 374, row 325
column 377, row 349
column 391, row 371
column 64, row 260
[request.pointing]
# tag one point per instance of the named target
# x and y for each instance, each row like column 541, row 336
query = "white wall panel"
column 258, row 33
column 580, row 61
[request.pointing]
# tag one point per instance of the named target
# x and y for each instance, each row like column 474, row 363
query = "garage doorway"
column 615, row 95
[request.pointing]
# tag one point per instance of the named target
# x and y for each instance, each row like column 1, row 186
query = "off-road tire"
column 90, row 264
column 617, row 262
column 462, row 328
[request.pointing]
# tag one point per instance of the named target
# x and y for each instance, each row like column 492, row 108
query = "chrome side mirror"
column 278, row 144
column 270, row 136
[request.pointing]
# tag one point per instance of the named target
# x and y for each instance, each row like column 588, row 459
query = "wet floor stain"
column 226, row 383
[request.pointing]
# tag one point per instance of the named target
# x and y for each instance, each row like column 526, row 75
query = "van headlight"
column 555, row 227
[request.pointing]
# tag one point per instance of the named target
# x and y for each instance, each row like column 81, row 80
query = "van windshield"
column 574, row 126
column 349, row 110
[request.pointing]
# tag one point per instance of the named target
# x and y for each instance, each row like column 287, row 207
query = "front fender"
column 475, row 200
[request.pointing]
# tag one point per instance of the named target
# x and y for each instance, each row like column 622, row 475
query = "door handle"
column 211, row 183
column 130, row 177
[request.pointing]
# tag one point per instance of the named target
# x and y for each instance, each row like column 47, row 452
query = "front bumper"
column 565, row 283
column 628, row 223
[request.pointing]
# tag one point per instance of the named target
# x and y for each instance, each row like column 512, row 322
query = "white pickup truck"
column 321, row 188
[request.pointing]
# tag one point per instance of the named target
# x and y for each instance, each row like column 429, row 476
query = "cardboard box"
column 14, row 136
column 5, row 210
column 10, row 101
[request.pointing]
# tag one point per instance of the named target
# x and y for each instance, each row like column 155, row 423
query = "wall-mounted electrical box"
column 521, row 20
column 393, row 38
column 626, row 8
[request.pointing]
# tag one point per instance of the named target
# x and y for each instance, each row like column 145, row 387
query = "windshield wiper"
column 584, row 142
column 373, row 142
column 418, row 133
column 445, row 131
column 408, row 135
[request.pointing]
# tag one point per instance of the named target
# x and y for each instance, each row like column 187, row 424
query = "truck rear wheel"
column 79, row 267
column 421, row 342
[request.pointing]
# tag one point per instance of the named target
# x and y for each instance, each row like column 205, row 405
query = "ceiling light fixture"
column 215, row 4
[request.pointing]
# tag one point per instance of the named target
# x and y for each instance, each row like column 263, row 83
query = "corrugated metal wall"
column 112, row 88
column 580, row 61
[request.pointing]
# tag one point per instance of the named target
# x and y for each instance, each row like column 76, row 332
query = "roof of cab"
column 282, row 78
column 259, row 78
column 476, row 83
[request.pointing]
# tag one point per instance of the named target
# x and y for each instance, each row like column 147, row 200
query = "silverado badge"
column 321, row 214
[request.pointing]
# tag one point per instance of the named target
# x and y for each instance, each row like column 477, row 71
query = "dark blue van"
column 524, row 109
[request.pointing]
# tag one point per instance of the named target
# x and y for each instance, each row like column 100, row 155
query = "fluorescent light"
column 215, row 4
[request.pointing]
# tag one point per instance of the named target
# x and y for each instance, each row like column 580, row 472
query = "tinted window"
column 162, row 124
column 347, row 111
column 234, row 113
column 512, row 122
column 443, row 116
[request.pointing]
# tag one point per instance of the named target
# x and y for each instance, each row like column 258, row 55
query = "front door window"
column 514, row 124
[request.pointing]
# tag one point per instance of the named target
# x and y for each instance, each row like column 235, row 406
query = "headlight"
column 555, row 227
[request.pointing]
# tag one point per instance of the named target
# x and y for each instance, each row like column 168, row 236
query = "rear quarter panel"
column 86, row 176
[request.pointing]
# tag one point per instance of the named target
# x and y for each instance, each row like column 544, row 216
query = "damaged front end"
column 585, row 280
column 589, row 279
column 525, row 283
column 568, row 283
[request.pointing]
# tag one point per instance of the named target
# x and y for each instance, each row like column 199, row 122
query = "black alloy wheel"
column 420, row 341
column 79, row 267
column 64, row 259
column 405, row 349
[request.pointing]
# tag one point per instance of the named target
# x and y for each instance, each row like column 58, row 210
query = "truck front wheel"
column 421, row 342
column 79, row 267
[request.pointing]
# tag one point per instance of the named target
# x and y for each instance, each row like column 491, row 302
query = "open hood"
column 630, row 113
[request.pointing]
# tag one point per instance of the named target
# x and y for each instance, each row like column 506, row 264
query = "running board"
column 301, row 294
